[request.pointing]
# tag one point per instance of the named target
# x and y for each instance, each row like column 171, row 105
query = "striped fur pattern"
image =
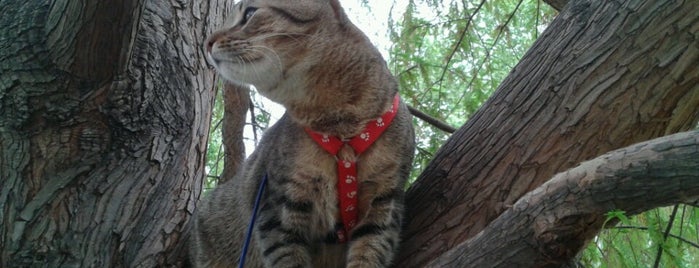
column 307, row 56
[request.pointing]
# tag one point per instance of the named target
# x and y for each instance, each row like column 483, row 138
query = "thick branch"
column 237, row 101
column 549, row 225
column 90, row 38
column 603, row 76
column 104, row 112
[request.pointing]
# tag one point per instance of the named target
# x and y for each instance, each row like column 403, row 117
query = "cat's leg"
column 282, row 231
column 375, row 240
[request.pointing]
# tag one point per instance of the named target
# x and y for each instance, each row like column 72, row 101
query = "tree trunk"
column 604, row 75
column 104, row 112
column 104, row 116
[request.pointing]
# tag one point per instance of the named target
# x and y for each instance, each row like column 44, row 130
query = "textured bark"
column 104, row 112
column 549, row 225
column 604, row 75
column 236, row 104
column 104, row 115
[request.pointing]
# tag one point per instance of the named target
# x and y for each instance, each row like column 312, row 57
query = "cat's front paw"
column 287, row 257
column 364, row 264
column 372, row 254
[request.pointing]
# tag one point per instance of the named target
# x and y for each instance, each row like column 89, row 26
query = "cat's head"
column 271, row 44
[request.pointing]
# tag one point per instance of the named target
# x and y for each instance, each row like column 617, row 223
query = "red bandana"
column 346, row 170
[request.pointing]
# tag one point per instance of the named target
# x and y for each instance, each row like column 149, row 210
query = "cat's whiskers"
column 255, row 72
column 267, row 36
column 272, row 55
column 234, row 49
column 248, row 62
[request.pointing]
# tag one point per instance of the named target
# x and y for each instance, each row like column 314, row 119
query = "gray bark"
column 604, row 75
column 104, row 115
column 548, row 226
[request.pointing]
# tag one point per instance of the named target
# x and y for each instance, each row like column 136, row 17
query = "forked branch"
column 550, row 225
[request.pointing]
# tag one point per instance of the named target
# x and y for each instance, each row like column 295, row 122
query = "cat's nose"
column 208, row 47
column 209, row 44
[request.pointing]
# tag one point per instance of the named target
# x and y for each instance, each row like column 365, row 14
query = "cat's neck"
column 345, row 92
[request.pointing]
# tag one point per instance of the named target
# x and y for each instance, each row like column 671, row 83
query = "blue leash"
column 248, row 236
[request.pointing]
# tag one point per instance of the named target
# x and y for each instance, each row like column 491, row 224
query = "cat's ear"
column 340, row 14
column 301, row 10
column 307, row 10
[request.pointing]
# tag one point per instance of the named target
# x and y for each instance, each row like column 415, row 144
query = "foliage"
column 645, row 241
column 449, row 56
column 257, row 122
column 214, row 149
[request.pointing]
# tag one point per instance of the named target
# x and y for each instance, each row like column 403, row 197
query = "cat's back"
column 218, row 238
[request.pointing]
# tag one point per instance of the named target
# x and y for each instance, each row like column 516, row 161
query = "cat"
column 308, row 56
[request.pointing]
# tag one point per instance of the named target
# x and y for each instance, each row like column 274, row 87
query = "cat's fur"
column 307, row 56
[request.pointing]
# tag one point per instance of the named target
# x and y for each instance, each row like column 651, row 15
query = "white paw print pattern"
column 350, row 179
column 379, row 122
column 352, row 223
column 325, row 138
column 349, row 208
column 364, row 136
column 346, row 164
column 352, row 194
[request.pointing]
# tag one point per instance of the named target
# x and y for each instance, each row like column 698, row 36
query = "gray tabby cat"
column 307, row 56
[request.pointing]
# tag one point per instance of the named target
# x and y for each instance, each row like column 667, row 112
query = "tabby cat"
column 307, row 56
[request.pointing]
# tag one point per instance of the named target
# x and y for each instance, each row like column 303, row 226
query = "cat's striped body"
column 332, row 80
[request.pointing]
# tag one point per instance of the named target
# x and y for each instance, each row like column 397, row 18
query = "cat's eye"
column 248, row 14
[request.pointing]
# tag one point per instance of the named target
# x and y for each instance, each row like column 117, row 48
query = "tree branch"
column 582, row 90
column 457, row 46
column 557, row 4
column 549, row 225
column 665, row 235
column 81, row 36
column 236, row 104
column 431, row 120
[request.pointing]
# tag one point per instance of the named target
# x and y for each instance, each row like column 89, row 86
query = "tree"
column 105, row 109
column 605, row 75
column 102, row 163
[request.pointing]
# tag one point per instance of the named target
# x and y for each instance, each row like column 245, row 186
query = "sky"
column 374, row 22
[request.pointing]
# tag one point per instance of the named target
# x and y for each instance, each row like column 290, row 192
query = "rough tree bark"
column 604, row 75
column 104, row 112
column 549, row 225
column 104, row 116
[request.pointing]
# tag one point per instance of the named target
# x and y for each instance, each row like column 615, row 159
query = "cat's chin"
column 259, row 74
